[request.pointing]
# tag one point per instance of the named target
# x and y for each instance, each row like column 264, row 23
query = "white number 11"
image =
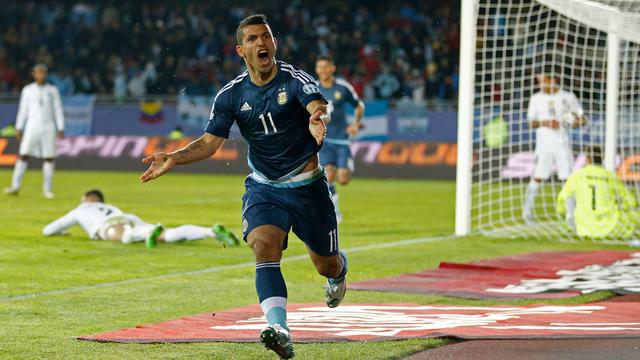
column 264, row 123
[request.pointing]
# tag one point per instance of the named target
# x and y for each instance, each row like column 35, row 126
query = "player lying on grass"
column 107, row 222
column 281, row 114
column 604, row 207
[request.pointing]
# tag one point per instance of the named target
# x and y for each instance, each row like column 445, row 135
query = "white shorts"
column 116, row 220
column 559, row 156
column 41, row 145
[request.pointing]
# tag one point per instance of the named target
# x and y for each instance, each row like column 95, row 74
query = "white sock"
column 530, row 199
column 571, row 206
column 140, row 232
column 48, row 168
column 187, row 232
column 18, row 173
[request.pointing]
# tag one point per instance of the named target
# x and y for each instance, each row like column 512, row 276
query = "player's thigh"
column 30, row 146
column 328, row 159
column 313, row 217
column 563, row 160
column 544, row 165
column 344, row 163
column 48, row 143
column 264, row 208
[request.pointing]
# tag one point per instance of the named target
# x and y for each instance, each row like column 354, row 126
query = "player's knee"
column 344, row 178
column 24, row 157
column 48, row 160
column 265, row 246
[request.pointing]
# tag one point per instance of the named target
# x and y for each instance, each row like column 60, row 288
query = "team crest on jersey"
column 282, row 97
column 337, row 95
column 310, row 89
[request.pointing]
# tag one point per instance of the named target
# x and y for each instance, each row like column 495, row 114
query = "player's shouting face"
column 258, row 48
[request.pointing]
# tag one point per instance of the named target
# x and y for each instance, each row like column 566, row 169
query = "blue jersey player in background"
column 335, row 155
column 271, row 103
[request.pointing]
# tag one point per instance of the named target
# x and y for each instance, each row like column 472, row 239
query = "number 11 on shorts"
column 333, row 240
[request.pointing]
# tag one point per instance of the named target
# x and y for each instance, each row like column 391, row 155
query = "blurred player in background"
column 335, row 154
column 604, row 207
column 281, row 114
column 40, row 120
column 103, row 221
column 552, row 112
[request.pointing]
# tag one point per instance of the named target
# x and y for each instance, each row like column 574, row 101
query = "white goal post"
column 592, row 48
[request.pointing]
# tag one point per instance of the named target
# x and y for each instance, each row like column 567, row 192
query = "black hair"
column 95, row 192
column 325, row 58
column 255, row 19
column 595, row 152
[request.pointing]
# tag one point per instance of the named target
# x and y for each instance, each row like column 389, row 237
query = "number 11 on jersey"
column 264, row 123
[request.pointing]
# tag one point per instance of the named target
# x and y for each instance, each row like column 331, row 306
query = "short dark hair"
column 595, row 153
column 95, row 192
column 255, row 19
column 325, row 58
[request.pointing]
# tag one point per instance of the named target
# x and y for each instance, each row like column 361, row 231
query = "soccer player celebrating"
column 107, row 222
column 335, row 155
column 552, row 112
column 40, row 119
column 281, row 114
column 604, row 207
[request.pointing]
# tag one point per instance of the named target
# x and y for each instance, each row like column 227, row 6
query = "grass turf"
column 44, row 325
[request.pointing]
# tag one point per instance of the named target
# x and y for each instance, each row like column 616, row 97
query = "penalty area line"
column 216, row 269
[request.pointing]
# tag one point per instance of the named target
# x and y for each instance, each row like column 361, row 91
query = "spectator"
column 181, row 44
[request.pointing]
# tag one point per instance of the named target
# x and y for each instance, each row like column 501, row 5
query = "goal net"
column 591, row 49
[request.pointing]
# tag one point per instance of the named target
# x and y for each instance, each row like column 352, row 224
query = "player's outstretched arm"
column 57, row 226
column 202, row 148
column 318, row 120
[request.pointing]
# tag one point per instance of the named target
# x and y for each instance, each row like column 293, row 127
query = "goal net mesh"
column 515, row 41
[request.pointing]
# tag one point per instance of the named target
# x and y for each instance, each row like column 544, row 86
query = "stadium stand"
column 400, row 49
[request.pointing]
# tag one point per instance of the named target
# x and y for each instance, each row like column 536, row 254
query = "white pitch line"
column 216, row 269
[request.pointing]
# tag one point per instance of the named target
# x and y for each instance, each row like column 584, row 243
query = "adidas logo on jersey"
column 245, row 107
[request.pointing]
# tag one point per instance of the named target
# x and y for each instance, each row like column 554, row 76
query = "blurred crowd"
column 387, row 50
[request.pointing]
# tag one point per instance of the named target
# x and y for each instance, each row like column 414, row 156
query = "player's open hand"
column 160, row 164
column 354, row 128
column 318, row 126
column 19, row 135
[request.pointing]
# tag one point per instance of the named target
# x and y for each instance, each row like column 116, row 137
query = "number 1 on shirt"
column 264, row 123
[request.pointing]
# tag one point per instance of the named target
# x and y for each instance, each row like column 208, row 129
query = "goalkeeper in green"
column 604, row 207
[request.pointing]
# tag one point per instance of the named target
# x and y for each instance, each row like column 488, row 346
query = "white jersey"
column 558, row 106
column 40, row 111
column 90, row 216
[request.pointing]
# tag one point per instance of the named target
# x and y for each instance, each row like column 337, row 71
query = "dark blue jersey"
column 272, row 118
column 339, row 95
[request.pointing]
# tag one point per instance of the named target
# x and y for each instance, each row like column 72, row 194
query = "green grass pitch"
column 43, row 323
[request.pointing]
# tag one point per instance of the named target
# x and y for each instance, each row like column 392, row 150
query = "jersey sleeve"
column 23, row 110
column 306, row 89
column 351, row 95
column 574, row 104
column 221, row 118
column 627, row 199
column 57, row 109
column 61, row 224
column 532, row 109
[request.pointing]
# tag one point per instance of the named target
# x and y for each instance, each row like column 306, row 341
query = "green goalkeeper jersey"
column 603, row 203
